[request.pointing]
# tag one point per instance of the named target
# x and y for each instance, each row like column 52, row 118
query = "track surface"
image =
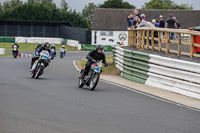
column 54, row 104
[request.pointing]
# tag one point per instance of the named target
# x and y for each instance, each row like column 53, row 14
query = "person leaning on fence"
column 136, row 13
column 143, row 23
column 130, row 21
column 171, row 23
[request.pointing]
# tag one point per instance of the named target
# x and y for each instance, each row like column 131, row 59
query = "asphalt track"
column 54, row 104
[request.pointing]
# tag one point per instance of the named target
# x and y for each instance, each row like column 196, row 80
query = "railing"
column 170, row 74
column 137, row 37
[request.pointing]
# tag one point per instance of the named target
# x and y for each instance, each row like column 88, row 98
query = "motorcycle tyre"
column 38, row 73
column 94, row 82
column 80, row 81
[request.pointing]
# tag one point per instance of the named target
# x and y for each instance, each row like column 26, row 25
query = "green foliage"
column 116, row 4
column 88, row 11
column 165, row 4
column 41, row 10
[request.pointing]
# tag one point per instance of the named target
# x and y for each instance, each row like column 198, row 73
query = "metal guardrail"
column 170, row 74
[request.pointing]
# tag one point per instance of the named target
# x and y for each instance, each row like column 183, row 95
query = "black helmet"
column 46, row 44
column 99, row 47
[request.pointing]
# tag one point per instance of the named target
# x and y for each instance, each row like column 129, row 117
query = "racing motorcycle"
column 62, row 51
column 91, row 80
column 15, row 51
column 39, row 65
column 53, row 53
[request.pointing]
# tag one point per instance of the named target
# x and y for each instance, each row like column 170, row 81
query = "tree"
column 88, row 11
column 64, row 6
column 165, row 4
column 7, row 5
column 116, row 4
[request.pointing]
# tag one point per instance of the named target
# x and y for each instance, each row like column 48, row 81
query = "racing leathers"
column 37, row 56
column 97, row 57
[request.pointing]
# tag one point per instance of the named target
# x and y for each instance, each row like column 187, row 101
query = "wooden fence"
column 137, row 37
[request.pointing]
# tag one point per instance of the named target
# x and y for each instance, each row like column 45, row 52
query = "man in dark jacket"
column 96, row 55
column 46, row 47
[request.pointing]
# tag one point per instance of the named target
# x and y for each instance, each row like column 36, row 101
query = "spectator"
column 136, row 13
column 177, row 23
column 143, row 17
column 155, row 22
column 162, row 22
column 162, row 25
column 130, row 21
column 171, row 23
column 143, row 23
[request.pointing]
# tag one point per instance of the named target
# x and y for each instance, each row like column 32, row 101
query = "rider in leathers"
column 46, row 47
column 97, row 55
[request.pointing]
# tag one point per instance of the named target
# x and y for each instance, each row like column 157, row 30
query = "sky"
column 78, row 5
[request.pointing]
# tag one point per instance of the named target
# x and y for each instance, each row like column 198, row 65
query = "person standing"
column 161, row 25
column 177, row 23
column 171, row 23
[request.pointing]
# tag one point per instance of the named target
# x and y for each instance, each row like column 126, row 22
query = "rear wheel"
column 33, row 74
column 94, row 81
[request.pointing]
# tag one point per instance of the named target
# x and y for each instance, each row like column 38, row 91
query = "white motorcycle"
column 39, row 65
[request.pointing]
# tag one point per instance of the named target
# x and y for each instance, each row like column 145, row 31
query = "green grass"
column 30, row 47
column 111, row 69
column 6, row 55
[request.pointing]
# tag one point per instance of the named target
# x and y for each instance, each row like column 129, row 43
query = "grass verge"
column 31, row 46
column 111, row 69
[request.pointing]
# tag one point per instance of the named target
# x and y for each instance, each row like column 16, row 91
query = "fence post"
column 159, row 42
column 179, row 44
column 167, row 43
column 143, row 38
column 129, row 37
column 152, row 40
column 191, row 46
column 147, row 40
column 138, row 40
column 134, row 37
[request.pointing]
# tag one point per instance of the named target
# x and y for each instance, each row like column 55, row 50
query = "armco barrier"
column 7, row 39
column 170, row 74
column 134, row 64
column 2, row 51
column 89, row 47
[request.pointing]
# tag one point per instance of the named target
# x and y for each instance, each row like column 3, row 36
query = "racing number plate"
column 97, row 69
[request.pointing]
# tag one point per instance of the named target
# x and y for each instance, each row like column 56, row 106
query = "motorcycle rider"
column 53, row 47
column 97, row 55
column 63, row 47
column 15, row 44
column 45, row 47
column 38, row 46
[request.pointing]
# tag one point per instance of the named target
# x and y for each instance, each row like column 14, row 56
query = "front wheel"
column 39, row 71
column 80, row 81
column 94, row 81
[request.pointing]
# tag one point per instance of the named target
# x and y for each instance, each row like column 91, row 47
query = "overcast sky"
column 78, row 5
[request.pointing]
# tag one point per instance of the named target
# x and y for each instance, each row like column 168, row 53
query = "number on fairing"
column 97, row 69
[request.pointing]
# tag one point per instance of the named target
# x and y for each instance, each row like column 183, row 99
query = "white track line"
column 143, row 93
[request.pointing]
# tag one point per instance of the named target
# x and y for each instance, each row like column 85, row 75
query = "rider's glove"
column 106, row 65
column 89, row 58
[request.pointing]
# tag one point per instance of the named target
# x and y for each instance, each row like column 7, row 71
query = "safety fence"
column 88, row 47
column 7, row 39
column 145, row 38
column 170, row 74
